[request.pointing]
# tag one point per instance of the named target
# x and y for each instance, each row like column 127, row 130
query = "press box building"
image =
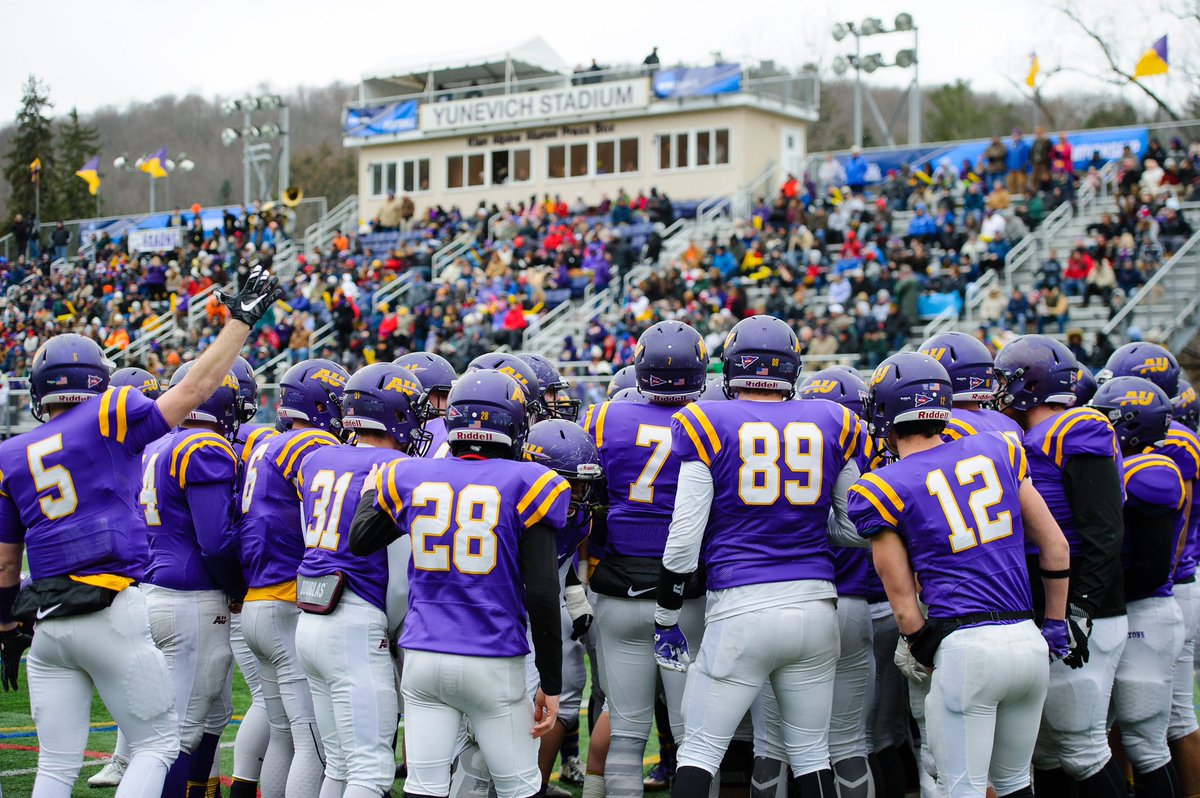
column 517, row 122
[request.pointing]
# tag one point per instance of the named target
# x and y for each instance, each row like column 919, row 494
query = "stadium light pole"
column 873, row 26
column 180, row 162
column 256, row 146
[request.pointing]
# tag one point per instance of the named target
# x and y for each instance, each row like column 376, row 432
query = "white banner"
column 536, row 106
column 159, row 240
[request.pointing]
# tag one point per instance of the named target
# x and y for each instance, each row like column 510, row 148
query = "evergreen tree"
column 34, row 138
column 77, row 144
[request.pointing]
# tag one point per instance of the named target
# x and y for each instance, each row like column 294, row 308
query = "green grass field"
column 18, row 743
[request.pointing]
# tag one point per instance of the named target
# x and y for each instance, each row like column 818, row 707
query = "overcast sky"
column 117, row 51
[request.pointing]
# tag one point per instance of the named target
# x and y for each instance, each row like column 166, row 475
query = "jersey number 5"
column 475, row 514
column 56, row 478
column 979, row 502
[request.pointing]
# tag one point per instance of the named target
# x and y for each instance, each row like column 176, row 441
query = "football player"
column 342, row 636
column 626, row 377
column 188, row 491
column 758, row 482
column 253, row 733
column 1159, row 366
column 523, row 373
column 483, row 564
column 75, row 522
column 436, row 375
column 554, row 389
column 1074, row 461
column 971, row 370
column 271, row 532
column 641, row 469
column 1140, row 412
column 915, row 512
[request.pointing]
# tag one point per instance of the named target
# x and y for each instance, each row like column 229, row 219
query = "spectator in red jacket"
column 1078, row 268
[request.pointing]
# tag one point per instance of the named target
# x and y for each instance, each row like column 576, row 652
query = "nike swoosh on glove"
column 1058, row 638
column 1079, row 623
column 256, row 296
column 671, row 648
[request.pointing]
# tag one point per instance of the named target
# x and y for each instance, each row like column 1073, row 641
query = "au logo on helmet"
column 881, row 373
column 1138, row 398
column 820, row 386
column 937, row 352
column 518, row 394
column 1153, row 365
column 328, row 377
column 229, row 381
column 401, row 385
column 516, row 375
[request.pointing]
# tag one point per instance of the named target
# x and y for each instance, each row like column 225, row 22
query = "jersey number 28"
column 475, row 512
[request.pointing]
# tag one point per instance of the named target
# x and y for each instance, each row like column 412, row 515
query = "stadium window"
column 476, row 173
column 681, row 151
column 606, row 153
column 722, row 148
column 616, row 156
column 522, row 162
column 664, row 151
column 415, row 176
column 376, row 180
column 703, row 147
column 510, row 166
column 629, row 155
column 579, row 160
column 383, row 179
column 556, row 162
column 454, row 171
column 499, row 167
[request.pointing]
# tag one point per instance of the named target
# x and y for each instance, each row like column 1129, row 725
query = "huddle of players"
column 759, row 506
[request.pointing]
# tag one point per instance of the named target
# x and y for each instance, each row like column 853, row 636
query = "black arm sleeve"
column 539, row 568
column 372, row 529
column 1093, row 489
column 1153, row 540
column 573, row 577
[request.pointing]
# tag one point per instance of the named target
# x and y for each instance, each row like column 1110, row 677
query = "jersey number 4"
column 979, row 502
column 475, row 512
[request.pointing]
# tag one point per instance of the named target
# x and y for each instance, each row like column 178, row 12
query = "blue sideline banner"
column 698, row 81
column 380, row 120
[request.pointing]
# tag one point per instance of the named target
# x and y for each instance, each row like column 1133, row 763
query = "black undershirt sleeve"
column 372, row 528
column 539, row 568
column 1152, row 539
column 1093, row 489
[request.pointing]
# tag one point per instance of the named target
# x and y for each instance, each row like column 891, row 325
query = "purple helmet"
column 564, row 447
column 247, row 389
column 761, row 352
column 1032, row 370
column 1185, row 406
column 387, row 398
column 1141, row 359
column 714, row 390
column 837, row 385
column 487, row 406
column 221, row 408
column 625, row 378
column 968, row 362
column 908, row 386
column 1139, row 410
column 630, row 395
column 520, row 371
column 434, row 371
column 311, row 391
column 554, row 388
column 67, row 369
column 670, row 363
column 141, row 379
column 1085, row 386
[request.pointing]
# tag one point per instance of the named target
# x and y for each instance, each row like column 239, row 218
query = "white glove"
column 908, row 664
column 580, row 610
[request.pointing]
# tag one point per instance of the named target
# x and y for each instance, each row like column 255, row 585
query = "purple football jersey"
column 1183, row 447
column 68, row 489
column 774, row 466
column 1050, row 444
column 466, row 594
column 330, row 481
column 271, row 529
column 958, row 509
column 971, row 422
column 182, row 458
column 642, row 471
column 1153, row 482
column 439, row 446
column 248, row 436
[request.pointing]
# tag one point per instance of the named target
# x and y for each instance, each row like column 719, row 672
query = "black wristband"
column 1063, row 574
column 670, row 588
column 7, row 596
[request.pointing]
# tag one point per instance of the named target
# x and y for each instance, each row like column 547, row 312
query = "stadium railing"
column 1170, row 295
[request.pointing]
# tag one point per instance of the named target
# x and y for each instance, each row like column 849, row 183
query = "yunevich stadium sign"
column 536, row 106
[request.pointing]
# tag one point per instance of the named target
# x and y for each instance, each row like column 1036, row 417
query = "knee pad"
column 1143, row 717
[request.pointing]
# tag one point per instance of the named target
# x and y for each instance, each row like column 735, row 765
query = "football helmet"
column 714, row 390
column 967, row 361
column 486, row 406
column 630, row 395
column 1085, row 386
column 384, row 397
column 221, row 408
column 67, row 369
column 554, row 389
column 761, row 352
column 520, row 371
column 1139, row 411
column 435, row 374
column 311, row 391
column 670, row 362
column 1141, row 359
column 564, row 447
column 908, row 386
column 1185, row 406
column 625, row 378
column 837, row 385
column 247, row 389
column 141, row 379
column 1032, row 370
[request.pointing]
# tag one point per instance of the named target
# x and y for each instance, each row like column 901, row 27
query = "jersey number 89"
column 760, row 444
column 475, row 514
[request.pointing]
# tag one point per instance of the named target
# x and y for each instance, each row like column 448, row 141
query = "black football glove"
column 923, row 643
column 254, row 298
column 12, row 645
column 1080, row 625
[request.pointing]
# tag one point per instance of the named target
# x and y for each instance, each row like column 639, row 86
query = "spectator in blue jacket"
column 856, row 171
column 922, row 226
column 1017, row 311
column 1017, row 163
column 724, row 262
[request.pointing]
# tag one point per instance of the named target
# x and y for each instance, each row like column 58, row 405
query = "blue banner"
column 698, row 81
column 380, row 120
